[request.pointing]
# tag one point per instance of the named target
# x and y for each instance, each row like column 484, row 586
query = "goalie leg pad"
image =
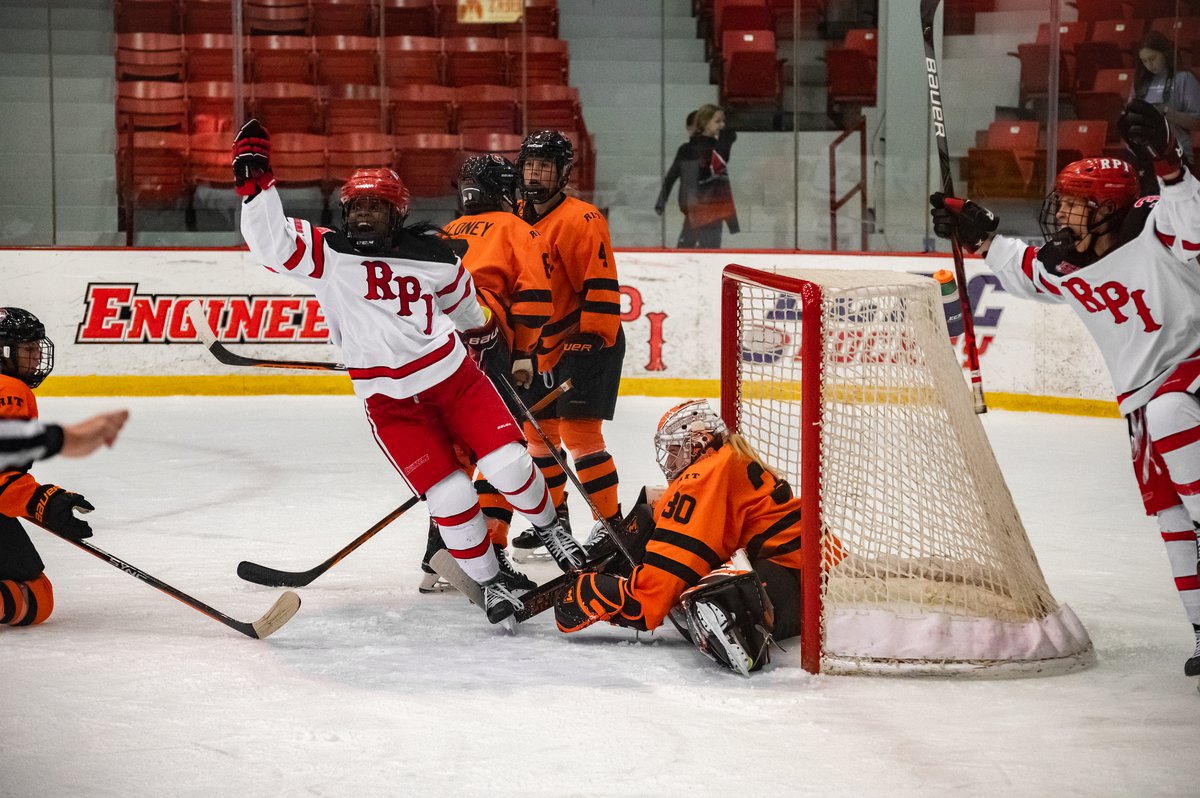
column 728, row 618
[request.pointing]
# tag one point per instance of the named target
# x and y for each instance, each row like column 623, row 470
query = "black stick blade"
column 262, row 575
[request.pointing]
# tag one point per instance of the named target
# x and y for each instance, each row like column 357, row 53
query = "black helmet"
column 487, row 183
column 550, row 145
column 25, row 351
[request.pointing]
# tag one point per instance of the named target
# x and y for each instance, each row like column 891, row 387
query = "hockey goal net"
column 847, row 383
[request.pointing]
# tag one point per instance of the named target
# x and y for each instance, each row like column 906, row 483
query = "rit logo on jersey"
column 1114, row 298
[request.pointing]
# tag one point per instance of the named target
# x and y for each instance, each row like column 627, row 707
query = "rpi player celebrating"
column 400, row 305
column 26, row 358
column 1128, row 268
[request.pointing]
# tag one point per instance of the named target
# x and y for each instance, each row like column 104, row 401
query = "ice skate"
column 528, row 547
column 510, row 576
column 1192, row 666
column 499, row 603
column 431, row 582
column 563, row 549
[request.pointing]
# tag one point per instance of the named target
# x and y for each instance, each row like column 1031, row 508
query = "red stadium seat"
column 750, row 72
column 1035, row 72
column 960, row 15
column 850, row 78
column 412, row 59
column 1081, row 138
column 428, row 163
column 355, row 109
column 487, row 108
column 449, row 26
column 1097, row 10
column 1004, row 166
column 347, row 152
column 154, row 171
column 506, row 144
column 1116, row 81
column 1124, row 33
column 207, row 16
column 150, row 56
column 146, row 16
column 151, row 105
column 537, row 60
column 276, row 17
column 541, row 19
column 1091, row 57
column 409, row 18
column 209, row 160
column 344, row 17
column 864, row 39
column 1156, row 9
column 1111, row 89
column 347, row 59
column 298, row 159
column 735, row 15
column 287, row 107
column 1069, row 34
column 1184, row 31
column 209, row 56
column 210, row 105
column 549, row 107
column 475, row 60
column 421, row 108
column 281, row 59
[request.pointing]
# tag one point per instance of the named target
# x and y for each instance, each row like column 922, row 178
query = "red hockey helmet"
column 382, row 184
column 1099, row 180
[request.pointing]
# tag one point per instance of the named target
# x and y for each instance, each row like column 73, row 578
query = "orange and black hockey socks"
column 552, row 472
column 26, row 603
column 593, row 464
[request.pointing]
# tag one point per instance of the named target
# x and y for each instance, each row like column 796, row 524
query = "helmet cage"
column 685, row 432
column 548, row 145
column 381, row 185
column 25, row 351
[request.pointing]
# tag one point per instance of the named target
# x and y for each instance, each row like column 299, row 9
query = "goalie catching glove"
column 1149, row 135
column 54, row 508
column 252, row 160
column 954, row 217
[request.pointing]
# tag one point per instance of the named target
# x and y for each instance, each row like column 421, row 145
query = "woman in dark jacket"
column 705, row 197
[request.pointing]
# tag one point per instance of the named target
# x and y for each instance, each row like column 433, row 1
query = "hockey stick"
column 204, row 331
column 272, row 577
column 280, row 613
column 937, row 119
column 612, row 533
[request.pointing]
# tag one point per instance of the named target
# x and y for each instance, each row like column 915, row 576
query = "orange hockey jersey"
column 721, row 503
column 510, row 265
column 583, row 277
column 16, row 487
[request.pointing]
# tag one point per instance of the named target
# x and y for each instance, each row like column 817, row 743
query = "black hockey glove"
column 53, row 508
column 252, row 159
column 594, row 597
column 1149, row 135
column 971, row 223
column 579, row 359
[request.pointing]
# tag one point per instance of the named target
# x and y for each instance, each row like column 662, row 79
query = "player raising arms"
column 396, row 298
column 508, row 261
column 1128, row 269
column 583, row 341
column 26, row 358
column 721, row 498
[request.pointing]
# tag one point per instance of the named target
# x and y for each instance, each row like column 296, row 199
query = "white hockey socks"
column 510, row 470
column 1173, row 421
column 454, row 507
column 1179, row 536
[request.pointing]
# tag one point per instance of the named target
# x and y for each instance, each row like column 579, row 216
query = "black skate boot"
column 498, row 601
column 430, row 581
column 563, row 549
column 599, row 542
column 1192, row 666
column 528, row 547
column 510, row 576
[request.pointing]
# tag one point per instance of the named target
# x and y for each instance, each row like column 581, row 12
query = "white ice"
column 375, row 690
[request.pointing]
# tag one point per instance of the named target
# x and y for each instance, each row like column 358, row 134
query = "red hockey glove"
column 1150, row 136
column 953, row 217
column 54, row 508
column 252, row 159
column 480, row 339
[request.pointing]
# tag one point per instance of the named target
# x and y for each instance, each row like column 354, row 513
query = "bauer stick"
column 280, row 613
column 937, row 119
column 204, row 331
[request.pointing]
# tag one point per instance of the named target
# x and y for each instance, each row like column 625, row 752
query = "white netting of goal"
column 936, row 574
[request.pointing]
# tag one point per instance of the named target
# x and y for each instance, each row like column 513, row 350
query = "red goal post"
column 917, row 561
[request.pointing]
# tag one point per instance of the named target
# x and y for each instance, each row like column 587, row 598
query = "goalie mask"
column 487, row 183
column 374, row 203
column 685, row 432
column 25, row 351
column 1091, row 198
column 545, row 165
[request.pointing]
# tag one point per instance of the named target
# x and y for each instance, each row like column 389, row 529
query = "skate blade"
column 531, row 555
column 432, row 583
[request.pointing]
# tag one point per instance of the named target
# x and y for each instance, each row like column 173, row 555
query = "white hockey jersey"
column 1140, row 301
column 394, row 318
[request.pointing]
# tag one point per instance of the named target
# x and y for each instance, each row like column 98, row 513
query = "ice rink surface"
column 375, row 690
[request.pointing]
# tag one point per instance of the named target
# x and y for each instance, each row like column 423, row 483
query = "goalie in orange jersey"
column 510, row 265
column 26, row 358
column 722, row 498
